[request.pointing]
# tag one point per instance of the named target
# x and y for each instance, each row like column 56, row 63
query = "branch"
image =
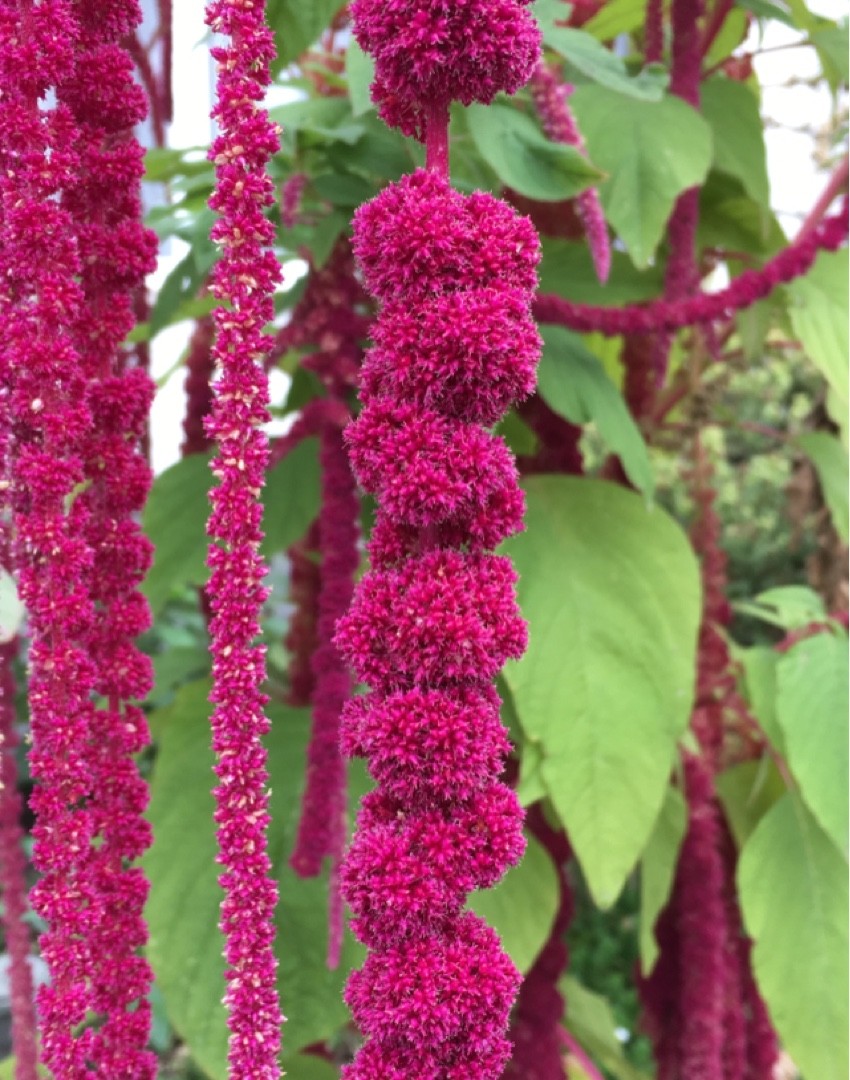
column 660, row 315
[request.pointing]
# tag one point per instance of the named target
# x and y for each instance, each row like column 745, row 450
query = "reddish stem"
column 437, row 138
column 580, row 1055
column 653, row 45
column 835, row 185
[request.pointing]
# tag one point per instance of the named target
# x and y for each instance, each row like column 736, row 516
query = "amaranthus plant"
column 483, row 653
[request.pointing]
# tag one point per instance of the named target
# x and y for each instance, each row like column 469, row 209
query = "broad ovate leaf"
column 652, row 151
column 811, row 709
column 792, row 883
column 611, row 591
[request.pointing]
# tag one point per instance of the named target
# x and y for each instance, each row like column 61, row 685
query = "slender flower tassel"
column 550, row 99
column 13, row 879
column 41, row 298
column 435, row 619
column 244, row 281
column 104, row 200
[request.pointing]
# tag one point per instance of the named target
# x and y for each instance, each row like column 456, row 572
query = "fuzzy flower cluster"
column 550, row 99
column 428, row 54
column 432, row 624
column 243, row 281
column 116, row 250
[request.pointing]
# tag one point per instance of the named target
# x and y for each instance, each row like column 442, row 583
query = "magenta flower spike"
column 550, row 99
column 103, row 199
column 243, row 282
column 46, row 402
column 435, row 619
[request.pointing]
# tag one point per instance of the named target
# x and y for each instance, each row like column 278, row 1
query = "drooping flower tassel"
column 13, row 879
column 200, row 366
column 536, row 1027
column 683, row 998
column 435, row 619
column 550, row 99
column 41, row 299
column 116, row 251
column 243, row 281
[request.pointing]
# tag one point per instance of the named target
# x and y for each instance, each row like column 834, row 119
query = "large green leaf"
column 611, row 591
column 793, row 887
column 811, row 708
column 657, row 871
column 829, row 458
column 589, row 56
column 818, row 311
column 297, row 26
column 567, row 269
column 360, row 71
column 185, row 943
column 616, row 17
column 747, row 791
column 177, row 510
column 759, row 665
column 174, row 519
column 522, row 907
column 591, row 1020
column 523, row 158
column 652, row 151
column 573, row 382
column 732, row 110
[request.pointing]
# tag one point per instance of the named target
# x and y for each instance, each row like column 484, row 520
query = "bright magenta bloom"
column 244, row 280
column 435, row 619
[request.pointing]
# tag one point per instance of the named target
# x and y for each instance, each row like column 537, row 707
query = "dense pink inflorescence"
column 435, row 618
column 429, row 52
column 73, row 251
column 13, row 868
column 433, row 622
column 243, row 280
column 550, row 99
column 116, row 252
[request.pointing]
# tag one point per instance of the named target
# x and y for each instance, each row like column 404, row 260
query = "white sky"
column 794, row 176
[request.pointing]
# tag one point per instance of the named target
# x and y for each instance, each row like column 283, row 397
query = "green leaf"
column 523, row 158
column 360, row 71
column 174, row 518
column 792, row 884
column 769, row 9
column 297, row 26
column 652, row 152
column 589, row 56
column 811, row 708
column 789, row 607
column 829, row 458
column 591, row 1020
column 611, row 591
column 616, row 17
column 176, row 514
column 291, row 497
column 185, row 943
column 180, row 286
column 832, row 46
column 327, row 117
column 818, row 313
column 523, row 927
column 747, row 791
column 573, row 382
column 732, row 110
column 567, row 269
column 303, row 1067
column 759, row 665
column 657, row 871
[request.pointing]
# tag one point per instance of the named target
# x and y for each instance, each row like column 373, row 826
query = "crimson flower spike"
column 436, row 617
column 243, row 281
